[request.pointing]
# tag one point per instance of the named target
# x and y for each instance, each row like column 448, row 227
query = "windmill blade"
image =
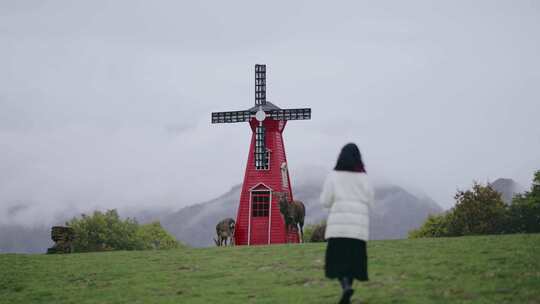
column 260, row 148
column 290, row 114
column 260, row 84
column 230, row 117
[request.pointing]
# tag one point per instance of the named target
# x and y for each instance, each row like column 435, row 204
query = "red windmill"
column 258, row 220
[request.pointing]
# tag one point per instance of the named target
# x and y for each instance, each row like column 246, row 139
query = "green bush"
column 524, row 212
column 153, row 236
column 309, row 231
column 481, row 210
column 434, row 226
column 107, row 231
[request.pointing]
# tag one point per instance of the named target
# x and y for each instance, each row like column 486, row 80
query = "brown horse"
column 293, row 212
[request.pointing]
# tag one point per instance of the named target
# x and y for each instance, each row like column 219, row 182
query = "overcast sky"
column 107, row 103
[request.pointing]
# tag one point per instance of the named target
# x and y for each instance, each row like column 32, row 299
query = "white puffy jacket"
column 349, row 195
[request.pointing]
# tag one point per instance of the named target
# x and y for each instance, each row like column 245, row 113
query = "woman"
column 349, row 195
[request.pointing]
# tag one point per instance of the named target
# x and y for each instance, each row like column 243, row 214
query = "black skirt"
column 346, row 257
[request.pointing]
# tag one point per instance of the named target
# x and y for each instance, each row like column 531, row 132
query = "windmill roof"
column 267, row 107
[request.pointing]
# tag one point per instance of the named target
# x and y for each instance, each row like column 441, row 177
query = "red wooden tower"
column 258, row 219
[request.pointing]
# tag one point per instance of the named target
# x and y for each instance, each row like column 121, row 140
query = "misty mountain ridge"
column 396, row 212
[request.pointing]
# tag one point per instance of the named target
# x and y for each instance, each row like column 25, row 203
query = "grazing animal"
column 225, row 231
column 293, row 212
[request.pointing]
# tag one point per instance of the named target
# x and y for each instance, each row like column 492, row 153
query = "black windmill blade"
column 290, row 114
column 260, row 84
column 260, row 148
column 230, row 117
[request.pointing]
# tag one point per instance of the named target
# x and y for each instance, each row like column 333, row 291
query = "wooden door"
column 260, row 217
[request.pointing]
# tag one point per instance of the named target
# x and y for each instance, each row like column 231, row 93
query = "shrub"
column 153, row 236
column 104, row 231
column 434, row 226
column 107, row 231
column 315, row 233
column 524, row 212
column 480, row 210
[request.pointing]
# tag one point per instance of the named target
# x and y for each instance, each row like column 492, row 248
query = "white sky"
column 107, row 103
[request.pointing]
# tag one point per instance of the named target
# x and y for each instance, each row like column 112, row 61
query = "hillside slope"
column 488, row 269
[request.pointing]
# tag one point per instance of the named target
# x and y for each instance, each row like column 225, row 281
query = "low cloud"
column 109, row 106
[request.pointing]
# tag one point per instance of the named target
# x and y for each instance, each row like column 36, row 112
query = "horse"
column 293, row 213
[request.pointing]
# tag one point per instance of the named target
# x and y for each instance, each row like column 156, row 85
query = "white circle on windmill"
column 260, row 115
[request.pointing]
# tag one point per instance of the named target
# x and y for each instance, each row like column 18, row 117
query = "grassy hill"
column 491, row 269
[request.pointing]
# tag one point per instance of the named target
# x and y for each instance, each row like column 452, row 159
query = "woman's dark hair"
column 350, row 159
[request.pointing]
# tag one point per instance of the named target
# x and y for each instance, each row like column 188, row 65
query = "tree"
column 153, row 236
column 524, row 212
column 105, row 231
column 434, row 226
column 480, row 210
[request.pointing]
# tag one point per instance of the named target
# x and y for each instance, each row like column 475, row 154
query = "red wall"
column 272, row 179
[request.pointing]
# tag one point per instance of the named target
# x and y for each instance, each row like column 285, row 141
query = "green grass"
column 490, row 269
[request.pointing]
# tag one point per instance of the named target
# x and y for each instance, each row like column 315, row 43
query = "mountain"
column 396, row 212
column 507, row 187
column 195, row 225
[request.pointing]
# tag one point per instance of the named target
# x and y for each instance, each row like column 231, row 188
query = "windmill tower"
column 258, row 219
